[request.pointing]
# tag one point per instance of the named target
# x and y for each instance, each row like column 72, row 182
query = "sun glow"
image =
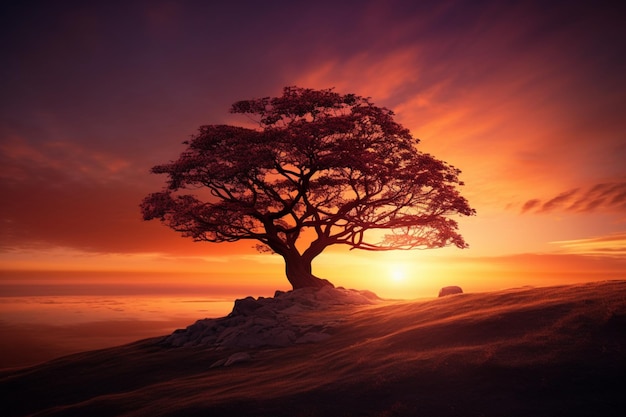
column 397, row 272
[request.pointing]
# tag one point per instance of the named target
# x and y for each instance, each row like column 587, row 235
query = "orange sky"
column 528, row 100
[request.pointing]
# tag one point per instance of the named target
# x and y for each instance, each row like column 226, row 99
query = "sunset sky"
column 527, row 98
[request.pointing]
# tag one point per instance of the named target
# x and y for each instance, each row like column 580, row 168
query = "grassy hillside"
column 521, row 352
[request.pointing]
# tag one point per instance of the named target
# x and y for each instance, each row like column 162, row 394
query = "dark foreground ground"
column 557, row 351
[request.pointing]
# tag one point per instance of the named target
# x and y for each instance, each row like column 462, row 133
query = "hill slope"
column 529, row 351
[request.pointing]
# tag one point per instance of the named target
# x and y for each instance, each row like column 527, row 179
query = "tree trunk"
column 298, row 270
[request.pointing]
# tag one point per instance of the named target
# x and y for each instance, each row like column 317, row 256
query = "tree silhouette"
column 321, row 169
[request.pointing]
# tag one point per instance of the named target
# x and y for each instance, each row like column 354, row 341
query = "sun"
column 397, row 272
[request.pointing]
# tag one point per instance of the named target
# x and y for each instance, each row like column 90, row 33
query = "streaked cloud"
column 60, row 161
column 613, row 245
column 604, row 197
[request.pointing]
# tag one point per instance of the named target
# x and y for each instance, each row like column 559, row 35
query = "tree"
column 321, row 169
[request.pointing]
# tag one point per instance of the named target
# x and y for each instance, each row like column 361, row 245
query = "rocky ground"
column 279, row 321
column 553, row 351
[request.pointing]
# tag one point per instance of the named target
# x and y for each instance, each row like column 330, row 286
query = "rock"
column 280, row 321
column 278, row 337
column 266, row 312
column 453, row 289
column 246, row 306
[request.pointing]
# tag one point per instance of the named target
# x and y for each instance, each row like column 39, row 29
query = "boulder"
column 453, row 289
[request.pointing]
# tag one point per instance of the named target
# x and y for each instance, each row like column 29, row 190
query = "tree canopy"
column 320, row 169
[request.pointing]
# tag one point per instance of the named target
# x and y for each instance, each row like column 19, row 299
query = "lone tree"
column 321, row 169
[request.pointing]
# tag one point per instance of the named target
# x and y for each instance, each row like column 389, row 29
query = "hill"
column 520, row 352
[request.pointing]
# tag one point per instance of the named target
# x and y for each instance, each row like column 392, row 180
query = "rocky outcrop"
column 453, row 289
column 279, row 321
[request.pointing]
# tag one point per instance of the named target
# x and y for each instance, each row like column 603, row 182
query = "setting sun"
column 397, row 272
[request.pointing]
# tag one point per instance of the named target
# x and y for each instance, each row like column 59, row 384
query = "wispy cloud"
column 60, row 160
column 613, row 245
column 600, row 197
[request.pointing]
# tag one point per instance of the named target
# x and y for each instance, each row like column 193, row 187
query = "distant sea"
column 43, row 322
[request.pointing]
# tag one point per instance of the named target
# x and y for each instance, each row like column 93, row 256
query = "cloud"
column 60, row 161
column 612, row 245
column 381, row 77
column 603, row 197
column 530, row 204
column 559, row 200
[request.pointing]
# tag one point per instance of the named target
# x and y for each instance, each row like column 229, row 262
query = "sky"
column 527, row 98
